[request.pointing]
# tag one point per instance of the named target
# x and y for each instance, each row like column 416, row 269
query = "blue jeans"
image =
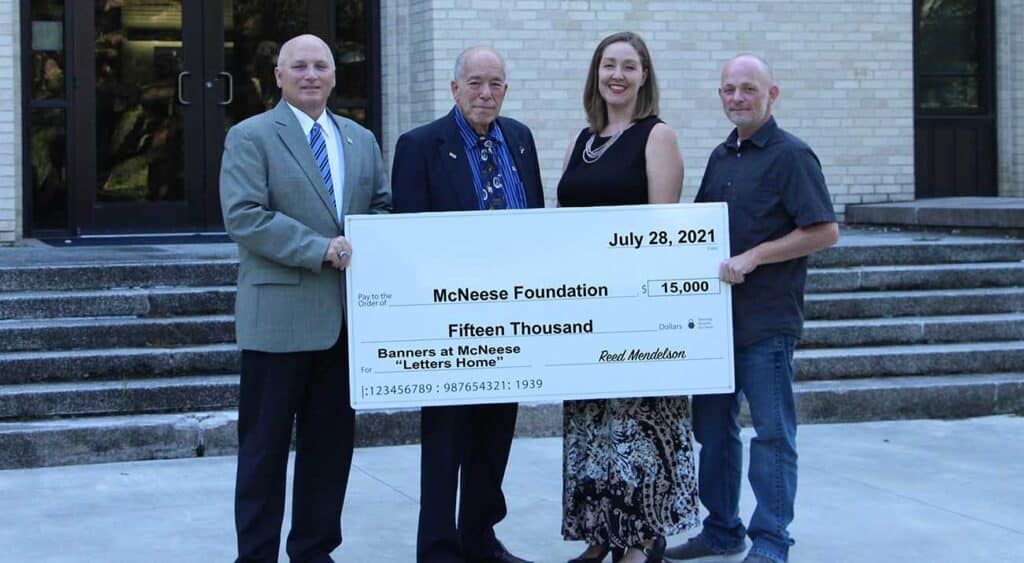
column 764, row 375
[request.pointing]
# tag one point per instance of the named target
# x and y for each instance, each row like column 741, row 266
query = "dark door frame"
column 202, row 128
column 955, row 150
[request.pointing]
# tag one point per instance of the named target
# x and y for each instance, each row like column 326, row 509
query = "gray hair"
column 457, row 73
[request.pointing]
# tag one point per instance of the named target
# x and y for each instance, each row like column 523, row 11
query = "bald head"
column 305, row 74
column 748, row 92
column 754, row 63
column 307, row 41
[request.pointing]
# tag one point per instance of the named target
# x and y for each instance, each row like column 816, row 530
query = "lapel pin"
column 451, row 154
column 522, row 150
column 348, row 140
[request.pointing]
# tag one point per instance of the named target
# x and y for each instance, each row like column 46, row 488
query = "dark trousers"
column 309, row 390
column 465, row 446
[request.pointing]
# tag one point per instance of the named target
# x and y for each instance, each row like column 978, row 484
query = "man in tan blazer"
column 288, row 178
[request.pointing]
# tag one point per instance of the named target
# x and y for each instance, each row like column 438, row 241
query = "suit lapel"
column 290, row 133
column 453, row 154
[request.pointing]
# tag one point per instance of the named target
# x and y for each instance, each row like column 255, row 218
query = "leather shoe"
column 501, row 555
column 697, row 547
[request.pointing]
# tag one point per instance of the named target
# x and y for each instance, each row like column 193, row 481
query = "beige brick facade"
column 1010, row 99
column 845, row 70
column 10, row 124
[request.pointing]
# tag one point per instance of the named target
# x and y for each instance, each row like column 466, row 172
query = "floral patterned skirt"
column 628, row 470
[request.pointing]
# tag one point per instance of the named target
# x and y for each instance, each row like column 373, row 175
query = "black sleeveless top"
column 619, row 177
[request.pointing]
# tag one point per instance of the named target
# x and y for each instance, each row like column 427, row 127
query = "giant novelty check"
column 537, row 305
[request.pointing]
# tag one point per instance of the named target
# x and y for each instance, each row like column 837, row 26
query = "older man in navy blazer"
column 468, row 160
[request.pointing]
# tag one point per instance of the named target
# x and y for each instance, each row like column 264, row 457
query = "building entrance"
column 954, row 112
column 130, row 141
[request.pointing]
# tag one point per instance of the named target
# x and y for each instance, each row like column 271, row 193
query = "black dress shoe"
column 501, row 555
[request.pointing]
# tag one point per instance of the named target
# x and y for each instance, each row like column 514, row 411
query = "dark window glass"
column 138, row 124
column 350, row 49
column 48, row 61
column 47, row 125
column 254, row 32
column 48, row 156
column 949, row 57
column 47, row 75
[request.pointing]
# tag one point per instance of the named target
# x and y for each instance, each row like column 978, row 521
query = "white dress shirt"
column 335, row 150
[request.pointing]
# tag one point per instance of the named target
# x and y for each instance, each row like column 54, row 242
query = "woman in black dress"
column 628, row 474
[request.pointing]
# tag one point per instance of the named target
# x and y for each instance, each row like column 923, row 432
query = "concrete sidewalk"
column 906, row 491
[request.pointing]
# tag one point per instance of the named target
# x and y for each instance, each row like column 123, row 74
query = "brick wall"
column 1010, row 100
column 10, row 124
column 845, row 70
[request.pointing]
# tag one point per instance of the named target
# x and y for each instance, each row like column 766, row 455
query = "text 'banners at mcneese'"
column 542, row 304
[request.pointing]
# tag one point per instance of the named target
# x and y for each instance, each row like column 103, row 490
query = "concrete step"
column 166, row 436
column 874, row 248
column 155, row 273
column 116, row 364
column 856, row 248
column 921, row 359
column 162, row 436
column 117, row 438
column 178, row 394
column 915, row 303
column 939, row 396
column 109, row 332
column 927, row 276
column 944, row 212
column 912, row 330
column 155, row 302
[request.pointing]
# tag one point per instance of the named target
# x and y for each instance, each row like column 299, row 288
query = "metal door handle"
column 230, row 80
column 181, row 81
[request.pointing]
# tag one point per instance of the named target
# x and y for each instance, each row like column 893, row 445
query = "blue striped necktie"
column 319, row 147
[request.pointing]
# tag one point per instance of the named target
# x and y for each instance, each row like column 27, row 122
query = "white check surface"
column 541, row 304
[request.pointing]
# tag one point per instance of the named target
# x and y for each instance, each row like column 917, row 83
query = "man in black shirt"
column 779, row 212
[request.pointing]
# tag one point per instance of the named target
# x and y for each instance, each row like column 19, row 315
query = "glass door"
column 244, row 51
column 131, row 140
column 147, row 103
column 954, row 112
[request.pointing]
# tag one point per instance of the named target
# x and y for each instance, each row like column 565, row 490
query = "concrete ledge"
column 963, row 212
column 107, row 439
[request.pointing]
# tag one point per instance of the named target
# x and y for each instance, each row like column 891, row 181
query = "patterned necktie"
column 319, row 147
column 492, row 185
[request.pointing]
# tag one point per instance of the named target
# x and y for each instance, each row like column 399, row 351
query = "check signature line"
column 631, row 362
